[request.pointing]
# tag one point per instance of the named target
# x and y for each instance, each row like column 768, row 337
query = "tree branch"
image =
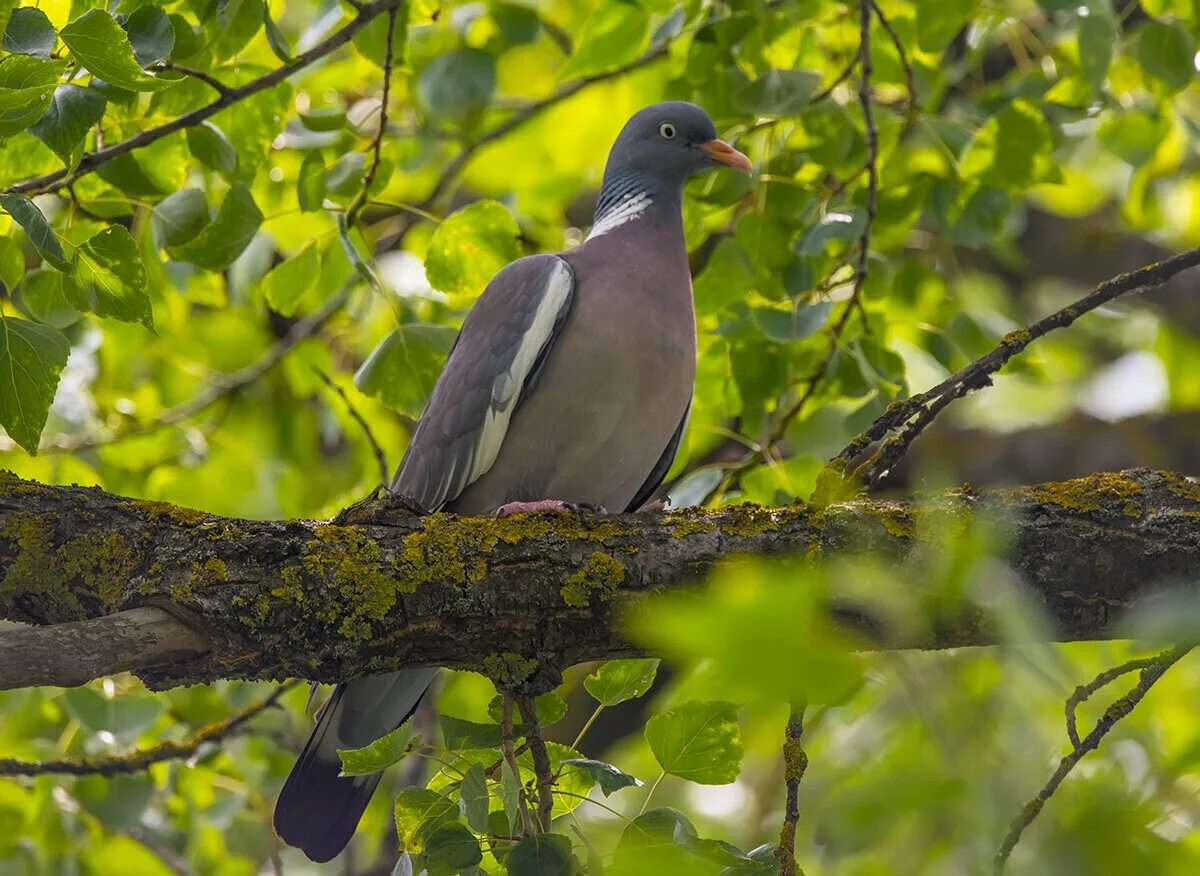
column 518, row 598
column 52, row 182
column 917, row 412
column 137, row 761
column 1118, row 710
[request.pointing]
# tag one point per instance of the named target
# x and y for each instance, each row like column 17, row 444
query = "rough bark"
column 522, row 597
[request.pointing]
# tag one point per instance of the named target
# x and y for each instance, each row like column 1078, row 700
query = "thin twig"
column 795, row 762
column 825, row 92
column 922, row 408
column 541, row 760
column 360, row 199
column 52, row 182
column 1084, row 691
column 207, row 78
column 216, row 389
column 506, row 748
column 911, row 107
column 136, row 761
column 1118, row 710
column 380, row 459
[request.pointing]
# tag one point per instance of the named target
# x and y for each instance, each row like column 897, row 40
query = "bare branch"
column 1150, row 674
column 218, row 388
column 920, row 410
column 795, row 762
column 360, row 199
column 380, row 458
column 137, row 761
column 541, row 760
column 52, row 182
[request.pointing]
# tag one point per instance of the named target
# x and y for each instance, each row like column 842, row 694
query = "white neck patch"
column 631, row 207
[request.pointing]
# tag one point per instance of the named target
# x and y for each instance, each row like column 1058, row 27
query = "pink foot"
column 545, row 506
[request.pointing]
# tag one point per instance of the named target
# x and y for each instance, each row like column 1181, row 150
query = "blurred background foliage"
column 165, row 319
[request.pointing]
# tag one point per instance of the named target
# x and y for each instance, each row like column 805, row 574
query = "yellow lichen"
column 508, row 670
column 353, row 564
column 1096, row 492
column 1019, row 338
column 688, row 521
column 599, row 576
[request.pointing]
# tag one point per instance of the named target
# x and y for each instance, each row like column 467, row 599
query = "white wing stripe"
column 508, row 386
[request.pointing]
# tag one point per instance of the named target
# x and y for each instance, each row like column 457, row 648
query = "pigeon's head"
column 672, row 141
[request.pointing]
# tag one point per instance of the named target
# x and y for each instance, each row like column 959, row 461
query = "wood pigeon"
column 569, row 384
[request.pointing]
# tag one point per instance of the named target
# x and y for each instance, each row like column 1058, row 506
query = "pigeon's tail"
column 318, row 808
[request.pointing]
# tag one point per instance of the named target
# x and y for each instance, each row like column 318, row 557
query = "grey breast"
column 616, row 385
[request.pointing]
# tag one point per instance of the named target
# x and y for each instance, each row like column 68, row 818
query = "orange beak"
column 720, row 151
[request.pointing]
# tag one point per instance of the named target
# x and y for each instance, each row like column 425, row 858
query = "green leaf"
column 179, row 217
column 451, row 848
column 310, row 184
column 323, row 118
column 401, row 371
column 794, row 323
column 71, row 114
column 550, row 709
column 111, row 279
column 25, row 80
column 1097, row 33
column 459, row 734
column 608, row 776
column 1012, row 149
column 473, row 798
column 275, row 37
column 470, row 247
column 419, row 812
column 150, row 34
column 780, row 92
column 1166, row 52
column 101, row 45
column 29, row 32
column 31, row 358
column 831, row 227
column 45, row 294
column 938, row 22
column 510, row 795
column 620, row 680
column 238, row 21
column 12, row 264
column 457, row 84
column 289, row 281
column 124, row 716
column 543, row 854
column 344, row 176
column 212, row 148
column 613, row 34
column 379, row 755
column 223, row 239
column 697, row 741
column 26, row 214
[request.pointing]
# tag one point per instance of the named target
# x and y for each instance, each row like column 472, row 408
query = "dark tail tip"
column 319, row 809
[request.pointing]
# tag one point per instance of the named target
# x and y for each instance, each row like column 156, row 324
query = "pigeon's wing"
column 654, row 480
column 495, row 362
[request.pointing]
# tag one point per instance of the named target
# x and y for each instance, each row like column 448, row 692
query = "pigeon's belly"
column 605, row 407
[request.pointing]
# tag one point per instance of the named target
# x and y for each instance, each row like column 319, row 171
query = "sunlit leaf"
column 620, row 680
column 473, row 798
column 470, row 247
column 31, row 219
column 402, row 369
column 31, row 358
column 102, row 46
column 110, row 279
column 419, row 812
column 379, row 755
column 613, row 34
column 697, row 741
column 290, row 280
column 606, row 775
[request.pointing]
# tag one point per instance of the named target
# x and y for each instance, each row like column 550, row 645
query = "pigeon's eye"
column 667, row 130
